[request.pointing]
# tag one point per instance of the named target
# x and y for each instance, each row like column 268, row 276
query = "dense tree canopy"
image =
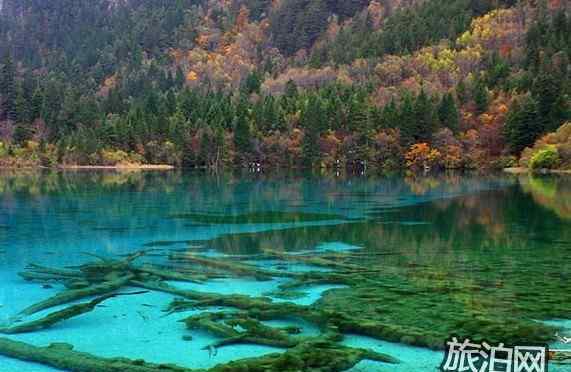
column 285, row 83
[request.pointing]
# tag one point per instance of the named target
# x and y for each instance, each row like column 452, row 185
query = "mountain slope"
column 207, row 83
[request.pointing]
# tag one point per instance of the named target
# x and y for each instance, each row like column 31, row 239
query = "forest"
column 382, row 84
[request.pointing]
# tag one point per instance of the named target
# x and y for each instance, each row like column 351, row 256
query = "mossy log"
column 56, row 273
column 77, row 294
column 106, row 276
column 307, row 356
column 233, row 267
column 256, row 305
column 55, row 317
column 336, row 261
column 240, row 328
column 62, row 356
column 172, row 275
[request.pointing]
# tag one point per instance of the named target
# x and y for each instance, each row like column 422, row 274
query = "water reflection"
column 484, row 255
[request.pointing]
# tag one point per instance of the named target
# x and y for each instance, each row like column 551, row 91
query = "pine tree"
column 252, row 83
column 425, row 121
column 462, row 92
column 36, row 104
column 390, row 115
column 312, row 122
column 242, row 136
column 290, row 89
column 22, row 131
column 480, row 95
column 448, row 113
column 8, row 89
column 312, row 23
column 551, row 107
column 179, row 78
column 407, row 118
column 522, row 128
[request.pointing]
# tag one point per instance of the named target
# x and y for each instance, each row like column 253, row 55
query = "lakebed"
column 372, row 274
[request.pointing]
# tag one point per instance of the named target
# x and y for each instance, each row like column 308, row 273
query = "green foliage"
column 120, row 89
column 481, row 96
column 8, row 89
column 448, row 113
column 522, row 127
column 545, row 159
column 242, row 136
column 407, row 30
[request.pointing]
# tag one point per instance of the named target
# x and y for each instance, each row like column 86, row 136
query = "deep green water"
column 485, row 256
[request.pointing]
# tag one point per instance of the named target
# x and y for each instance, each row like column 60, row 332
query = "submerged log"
column 236, row 328
column 77, row 294
column 63, row 356
column 236, row 268
column 316, row 355
column 55, row 317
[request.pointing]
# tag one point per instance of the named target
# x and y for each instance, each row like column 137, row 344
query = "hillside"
column 291, row 83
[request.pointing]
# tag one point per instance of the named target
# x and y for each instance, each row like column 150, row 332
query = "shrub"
column 547, row 158
column 162, row 153
column 116, row 157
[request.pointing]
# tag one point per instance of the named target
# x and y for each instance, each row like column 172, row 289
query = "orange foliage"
column 422, row 156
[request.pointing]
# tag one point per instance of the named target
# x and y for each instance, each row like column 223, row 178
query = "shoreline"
column 117, row 167
column 130, row 167
column 521, row 170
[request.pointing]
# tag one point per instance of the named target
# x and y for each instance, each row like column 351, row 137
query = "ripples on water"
column 494, row 247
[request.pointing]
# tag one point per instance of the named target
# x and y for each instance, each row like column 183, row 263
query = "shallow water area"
column 409, row 260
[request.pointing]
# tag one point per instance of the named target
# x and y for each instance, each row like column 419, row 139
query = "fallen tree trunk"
column 77, row 294
column 55, row 317
column 63, row 356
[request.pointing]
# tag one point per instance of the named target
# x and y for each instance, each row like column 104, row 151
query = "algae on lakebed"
column 490, row 265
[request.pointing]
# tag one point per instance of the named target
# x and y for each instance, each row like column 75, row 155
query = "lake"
column 390, row 264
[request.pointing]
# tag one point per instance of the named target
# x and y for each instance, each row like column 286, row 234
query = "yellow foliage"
column 32, row 146
column 191, row 76
column 421, row 155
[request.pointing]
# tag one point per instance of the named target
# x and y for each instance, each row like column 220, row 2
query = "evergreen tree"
column 425, row 121
column 448, row 113
column 8, row 89
column 390, row 115
column 252, row 83
column 22, row 130
column 551, row 104
column 407, row 118
column 522, row 128
column 312, row 122
column 480, row 94
column 290, row 89
column 36, row 104
column 242, row 136
column 462, row 92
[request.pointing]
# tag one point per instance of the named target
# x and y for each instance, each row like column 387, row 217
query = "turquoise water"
column 421, row 229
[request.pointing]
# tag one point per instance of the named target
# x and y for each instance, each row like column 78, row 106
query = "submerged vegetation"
column 394, row 272
column 393, row 291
